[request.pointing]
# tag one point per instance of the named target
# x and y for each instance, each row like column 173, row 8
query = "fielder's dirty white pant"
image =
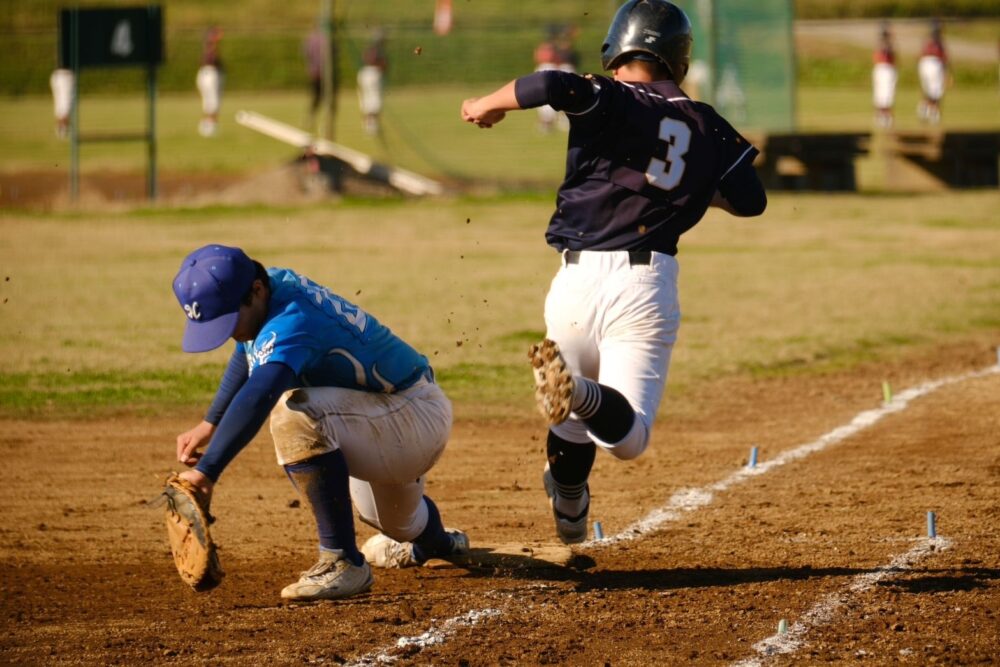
column 616, row 324
column 390, row 441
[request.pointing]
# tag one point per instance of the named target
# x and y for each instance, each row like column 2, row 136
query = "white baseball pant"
column 61, row 82
column 370, row 90
column 209, row 82
column 932, row 76
column 884, row 78
column 616, row 323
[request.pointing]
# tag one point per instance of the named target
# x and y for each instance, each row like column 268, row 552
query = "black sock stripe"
column 571, row 491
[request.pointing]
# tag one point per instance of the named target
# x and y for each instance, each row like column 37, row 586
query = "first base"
column 518, row 555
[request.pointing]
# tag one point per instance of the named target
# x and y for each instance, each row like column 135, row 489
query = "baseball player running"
column 355, row 413
column 644, row 163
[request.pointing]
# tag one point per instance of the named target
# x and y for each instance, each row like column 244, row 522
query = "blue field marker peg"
column 931, row 525
column 886, row 391
column 598, row 531
column 782, row 626
column 753, row 458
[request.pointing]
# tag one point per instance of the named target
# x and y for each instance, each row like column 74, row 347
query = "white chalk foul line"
column 823, row 612
column 688, row 500
column 433, row 636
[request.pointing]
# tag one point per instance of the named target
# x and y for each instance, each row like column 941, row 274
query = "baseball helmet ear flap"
column 649, row 30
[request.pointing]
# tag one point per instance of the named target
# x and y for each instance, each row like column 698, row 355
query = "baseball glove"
column 190, row 542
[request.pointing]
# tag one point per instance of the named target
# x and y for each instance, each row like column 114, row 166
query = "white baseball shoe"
column 570, row 531
column 382, row 551
column 553, row 382
column 331, row 578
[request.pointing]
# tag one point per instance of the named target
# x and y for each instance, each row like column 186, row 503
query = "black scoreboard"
column 109, row 37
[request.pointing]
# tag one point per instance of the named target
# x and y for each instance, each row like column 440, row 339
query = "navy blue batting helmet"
column 649, row 30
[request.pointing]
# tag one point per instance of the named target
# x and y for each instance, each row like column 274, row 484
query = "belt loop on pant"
column 635, row 257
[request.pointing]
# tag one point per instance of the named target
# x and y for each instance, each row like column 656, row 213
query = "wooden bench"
column 944, row 159
column 816, row 161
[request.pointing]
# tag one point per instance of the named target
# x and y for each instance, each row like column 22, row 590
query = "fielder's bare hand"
column 200, row 482
column 189, row 442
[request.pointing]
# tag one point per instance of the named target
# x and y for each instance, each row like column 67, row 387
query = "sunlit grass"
column 820, row 281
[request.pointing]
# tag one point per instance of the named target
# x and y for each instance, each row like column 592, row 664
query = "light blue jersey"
column 328, row 341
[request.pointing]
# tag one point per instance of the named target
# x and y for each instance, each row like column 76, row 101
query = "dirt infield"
column 86, row 575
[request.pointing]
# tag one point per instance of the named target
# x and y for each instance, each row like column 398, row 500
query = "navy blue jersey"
column 643, row 162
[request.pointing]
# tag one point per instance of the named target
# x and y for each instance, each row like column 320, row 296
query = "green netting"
column 745, row 60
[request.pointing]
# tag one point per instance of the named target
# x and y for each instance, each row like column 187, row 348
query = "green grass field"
column 820, row 281
column 90, row 324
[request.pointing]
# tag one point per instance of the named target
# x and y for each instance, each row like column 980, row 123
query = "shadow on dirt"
column 710, row 577
column 662, row 579
column 950, row 582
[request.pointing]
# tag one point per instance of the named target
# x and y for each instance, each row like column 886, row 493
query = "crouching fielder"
column 355, row 413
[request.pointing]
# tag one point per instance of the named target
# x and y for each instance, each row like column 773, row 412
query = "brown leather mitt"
column 190, row 541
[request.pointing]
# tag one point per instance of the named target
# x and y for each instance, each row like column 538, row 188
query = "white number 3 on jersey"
column 667, row 174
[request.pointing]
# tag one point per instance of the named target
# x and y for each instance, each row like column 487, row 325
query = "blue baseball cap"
column 210, row 287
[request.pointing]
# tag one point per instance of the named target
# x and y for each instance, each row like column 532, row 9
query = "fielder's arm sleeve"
column 245, row 415
column 236, row 374
column 561, row 90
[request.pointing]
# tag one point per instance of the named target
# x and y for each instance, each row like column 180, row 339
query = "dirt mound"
column 298, row 182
